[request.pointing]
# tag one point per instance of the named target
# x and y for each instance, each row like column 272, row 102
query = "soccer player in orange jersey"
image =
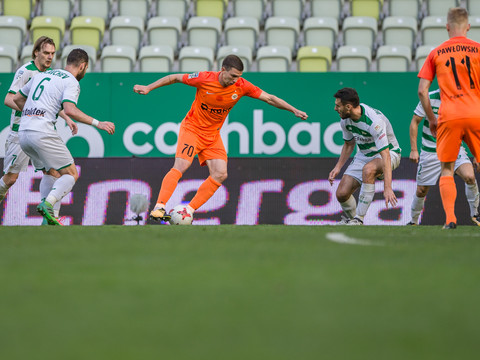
column 456, row 63
column 217, row 93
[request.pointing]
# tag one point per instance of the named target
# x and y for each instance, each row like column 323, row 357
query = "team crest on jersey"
column 19, row 74
column 234, row 96
column 193, row 75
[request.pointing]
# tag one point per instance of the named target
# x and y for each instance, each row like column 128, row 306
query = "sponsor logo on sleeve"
column 193, row 75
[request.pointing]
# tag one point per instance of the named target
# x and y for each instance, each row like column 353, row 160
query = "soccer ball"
column 180, row 215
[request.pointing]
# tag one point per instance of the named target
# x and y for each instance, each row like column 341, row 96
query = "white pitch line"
column 344, row 239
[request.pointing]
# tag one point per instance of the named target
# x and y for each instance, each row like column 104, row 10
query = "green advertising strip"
column 147, row 125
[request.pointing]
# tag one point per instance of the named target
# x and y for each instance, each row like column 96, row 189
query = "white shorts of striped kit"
column 429, row 168
column 47, row 151
column 355, row 168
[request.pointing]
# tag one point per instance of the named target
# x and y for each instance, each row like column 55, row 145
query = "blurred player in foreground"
column 378, row 156
column 40, row 100
column 456, row 63
column 217, row 93
column 16, row 160
column 429, row 167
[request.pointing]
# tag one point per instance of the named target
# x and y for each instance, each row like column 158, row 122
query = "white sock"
column 471, row 191
column 3, row 189
column 62, row 187
column 46, row 185
column 349, row 207
column 367, row 191
column 417, row 207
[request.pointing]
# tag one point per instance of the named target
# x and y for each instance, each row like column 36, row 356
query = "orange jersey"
column 213, row 102
column 456, row 63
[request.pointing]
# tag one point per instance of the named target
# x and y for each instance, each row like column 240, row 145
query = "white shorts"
column 355, row 169
column 429, row 167
column 15, row 159
column 47, row 151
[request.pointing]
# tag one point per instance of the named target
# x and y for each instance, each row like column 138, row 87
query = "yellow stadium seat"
column 314, row 59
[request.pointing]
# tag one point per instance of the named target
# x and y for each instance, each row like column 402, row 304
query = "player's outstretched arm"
column 413, row 131
column 164, row 81
column 423, row 87
column 282, row 104
column 10, row 103
column 78, row 115
column 388, row 193
column 347, row 150
column 70, row 123
column 19, row 100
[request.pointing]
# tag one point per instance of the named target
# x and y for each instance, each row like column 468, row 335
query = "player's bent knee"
column 10, row 178
column 422, row 191
column 220, row 177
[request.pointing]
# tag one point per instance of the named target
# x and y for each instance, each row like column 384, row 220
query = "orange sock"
column 448, row 192
column 204, row 192
column 169, row 184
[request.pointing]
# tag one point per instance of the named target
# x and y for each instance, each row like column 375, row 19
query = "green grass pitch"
column 239, row 292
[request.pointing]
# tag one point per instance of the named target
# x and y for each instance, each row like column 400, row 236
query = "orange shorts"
column 450, row 134
column 206, row 147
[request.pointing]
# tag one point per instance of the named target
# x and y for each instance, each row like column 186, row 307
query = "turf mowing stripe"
column 344, row 239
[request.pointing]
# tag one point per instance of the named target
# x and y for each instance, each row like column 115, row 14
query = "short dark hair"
column 232, row 61
column 39, row 44
column 77, row 57
column 348, row 96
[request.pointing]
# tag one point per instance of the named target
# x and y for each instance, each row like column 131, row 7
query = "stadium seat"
column 282, row 31
column 60, row 8
column 433, row 30
column 360, row 30
column 250, row 8
column 399, row 30
column 243, row 52
column 314, row 59
column 195, row 58
column 439, row 7
column 354, row 58
column 117, row 58
column 156, row 58
column 274, row 59
column 214, row 8
column 98, row 8
column 8, row 58
column 176, row 8
column 474, row 32
column 139, row 8
column 51, row 26
column 421, row 54
column 292, row 8
column 127, row 30
column 326, row 8
column 92, row 55
column 87, row 30
column 404, row 8
column 393, row 58
column 242, row 31
column 12, row 31
column 164, row 30
column 204, row 31
column 22, row 8
column 26, row 54
column 371, row 8
column 320, row 31
column 473, row 7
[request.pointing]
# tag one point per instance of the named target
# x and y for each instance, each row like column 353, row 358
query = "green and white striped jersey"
column 429, row 143
column 372, row 132
column 22, row 76
column 45, row 95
